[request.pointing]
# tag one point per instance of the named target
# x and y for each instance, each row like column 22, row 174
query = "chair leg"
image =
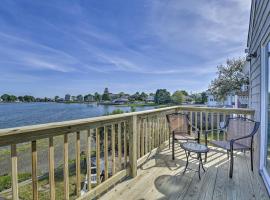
column 169, row 142
column 205, row 158
column 173, row 146
column 251, row 158
column 228, row 154
column 231, row 164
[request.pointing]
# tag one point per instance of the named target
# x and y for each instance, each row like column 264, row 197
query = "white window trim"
column 264, row 109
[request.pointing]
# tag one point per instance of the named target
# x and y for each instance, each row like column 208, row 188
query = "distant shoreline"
column 98, row 103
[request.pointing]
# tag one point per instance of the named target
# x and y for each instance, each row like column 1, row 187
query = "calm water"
column 21, row 114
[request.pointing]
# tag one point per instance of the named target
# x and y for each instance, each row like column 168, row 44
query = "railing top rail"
column 33, row 132
column 217, row 110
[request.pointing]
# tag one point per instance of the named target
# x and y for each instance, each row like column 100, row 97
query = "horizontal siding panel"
column 261, row 25
column 262, row 30
column 259, row 14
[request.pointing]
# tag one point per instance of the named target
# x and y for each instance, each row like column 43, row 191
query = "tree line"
column 161, row 96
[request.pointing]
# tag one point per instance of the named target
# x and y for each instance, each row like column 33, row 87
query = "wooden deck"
column 161, row 178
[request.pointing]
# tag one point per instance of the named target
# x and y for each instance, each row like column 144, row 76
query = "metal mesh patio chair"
column 240, row 132
column 179, row 127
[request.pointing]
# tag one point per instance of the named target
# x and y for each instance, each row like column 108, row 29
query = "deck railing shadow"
column 174, row 186
column 163, row 160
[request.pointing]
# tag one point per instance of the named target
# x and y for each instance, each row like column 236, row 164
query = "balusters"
column 139, row 137
column 78, row 164
column 191, row 121
column 206, row 121
column 113, row 149
column 51, row 169
column 212, row 125
column 152, row 133
column 156, row 132
column 133, row 146
column 218, row 125
column 98, row 155
column 158, row 125
column 119, row 147
column 146, row 135
column 201, row 123
column 106, row 166
column 125, row 144
column 34, row 170
column 88, row 158
column 161, row 130
column 14, row 172
column 224, row 121
column 196, row 119
column 66, row 168
column 142, row 137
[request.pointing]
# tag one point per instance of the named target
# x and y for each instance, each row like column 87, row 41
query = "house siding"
column 258, row 32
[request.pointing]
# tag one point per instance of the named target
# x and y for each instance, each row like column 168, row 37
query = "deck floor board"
column 161, row 178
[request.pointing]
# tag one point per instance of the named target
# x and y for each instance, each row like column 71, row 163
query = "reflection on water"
column 21, row 114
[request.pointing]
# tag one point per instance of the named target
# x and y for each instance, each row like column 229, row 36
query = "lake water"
column 22, row 114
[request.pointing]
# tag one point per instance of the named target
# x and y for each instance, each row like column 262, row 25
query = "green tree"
column 97, row 97
column 56, row 98
column 20, row 98
column 184, row 92
column 143, row 96
column 162, row 96
column 8, row 98
column 5, row 97
column 28, row 98
column 106, row 95
column 178, row 97
column 135, row 97
column 230, row 78
column 204, row 97
column 121, row 94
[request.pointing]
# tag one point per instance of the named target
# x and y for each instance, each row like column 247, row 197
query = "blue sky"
column 52, row 48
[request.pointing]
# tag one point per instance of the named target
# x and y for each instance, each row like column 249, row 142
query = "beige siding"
column 259, row 30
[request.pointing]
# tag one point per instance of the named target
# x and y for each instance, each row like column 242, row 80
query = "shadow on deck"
column 162, row 178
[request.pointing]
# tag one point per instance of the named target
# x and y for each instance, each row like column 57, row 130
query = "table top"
column 194, row 147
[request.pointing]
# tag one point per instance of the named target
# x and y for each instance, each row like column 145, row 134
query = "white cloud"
column 205, row 26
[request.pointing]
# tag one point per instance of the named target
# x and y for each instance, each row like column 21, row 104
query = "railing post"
column 133, row 146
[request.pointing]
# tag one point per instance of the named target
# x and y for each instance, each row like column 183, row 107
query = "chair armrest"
column 240, row 138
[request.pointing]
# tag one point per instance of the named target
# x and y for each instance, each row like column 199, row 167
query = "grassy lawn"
column 25, row 191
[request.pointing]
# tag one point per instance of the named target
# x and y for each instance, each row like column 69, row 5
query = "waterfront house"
column 234, row 99
column 150, row 99
column 73, row 98
column 229, row 100
column 67, row 97
column 89, row 98
column 80, row 98
column 120, row 101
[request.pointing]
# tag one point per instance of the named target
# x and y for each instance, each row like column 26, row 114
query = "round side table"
column 192, row 147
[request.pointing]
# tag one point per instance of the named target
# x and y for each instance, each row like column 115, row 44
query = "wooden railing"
column 122, row 141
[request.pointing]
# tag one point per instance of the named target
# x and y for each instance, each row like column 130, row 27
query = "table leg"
column 202, row 164
column 187, row 156
column 199, row 171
